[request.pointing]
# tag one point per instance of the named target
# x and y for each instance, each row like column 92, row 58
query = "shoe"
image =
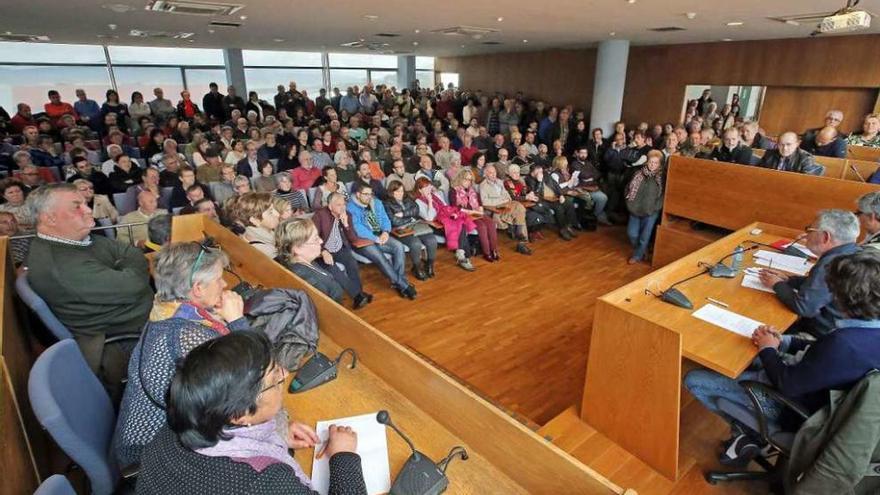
column 571, row 232
column 409, row 292
column 361, row 300
column 368, row 296
column 522, row 248
column 563, row 233
column 465, row 264
column 496, row 256
column 633, row 261
column 739, row 451
column 429, row 268
column 604, row 221
column 489, row 258
column 419, row 273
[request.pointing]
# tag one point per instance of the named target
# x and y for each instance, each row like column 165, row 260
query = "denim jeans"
column 708, row 386
column 394, row 269
column 639, row 230
column 600, row 199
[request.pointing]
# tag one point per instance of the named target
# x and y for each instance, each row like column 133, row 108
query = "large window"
column 386, row 77
column 45, row 53
column 345, row 78
column 270, row 58
column 145, row 79
column 265, row 81
column 197, row 80
column 146, row 55
column 425, row 71
column 351, row 60
column 29, row 84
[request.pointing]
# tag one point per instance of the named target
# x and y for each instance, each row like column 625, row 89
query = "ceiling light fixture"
column 735, row 23
column 792, row 22
column 630, row 1
column 417, row 31
column 691, row 15
column 612, row 33
column 278, row 40
column 112, row 27
column 525, row 41
column 243, row 17
column 119, row 8
column 461, row 45
column 371, row 17
column 500, row 19
column 210, row 31
column 726, row 39
column 415, row 43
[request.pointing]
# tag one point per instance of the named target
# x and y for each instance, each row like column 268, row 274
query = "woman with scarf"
column 644, row 199
column 228, row 432
column 192, row 306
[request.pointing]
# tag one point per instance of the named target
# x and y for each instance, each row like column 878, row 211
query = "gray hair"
column 40, row 200
column 176, row 270
column 842, row 225
column 21, row 155
column 159, row 229
column 241, row 179
column 282, row 176
column 870, row 204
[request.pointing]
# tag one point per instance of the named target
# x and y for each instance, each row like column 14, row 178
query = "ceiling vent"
column 666, row 29
column 387, row 35
column 23, row 38
column 808, row 19
column 222, row 24
column 193, row 8
column 161, row 35
column 491, row 43
column 469, row 31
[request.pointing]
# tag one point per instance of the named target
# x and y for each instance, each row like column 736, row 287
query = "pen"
column 323, row 446
column 716, row 301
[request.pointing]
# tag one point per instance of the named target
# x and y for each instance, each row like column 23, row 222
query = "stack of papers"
column 752, row 281
column 727, row 320
column 372, row 446
column 784, row 262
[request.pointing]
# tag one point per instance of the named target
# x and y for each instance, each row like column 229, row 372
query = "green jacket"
column 838, row 446
column 98, row 289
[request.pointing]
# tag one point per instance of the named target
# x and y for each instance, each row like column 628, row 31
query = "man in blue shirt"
column 349, row 102
column 370, row 223
column 88, row 110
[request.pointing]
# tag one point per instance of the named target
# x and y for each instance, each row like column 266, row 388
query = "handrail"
column 93, row 229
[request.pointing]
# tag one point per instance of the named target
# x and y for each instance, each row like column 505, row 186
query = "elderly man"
column 752, row 137
column 320, row 158
column 224, row 189
column 162, row 109
column 249, row 166
column 868, row 212
column 88, row 110
column 438, row 178
column 148, row 208
column 833, row 118
column 732, row 150
column 306, row 174
column 789, row 158
column 445, row 156
column 826, row 142
column 22, row 118
column 833, row 233
column 96, row 286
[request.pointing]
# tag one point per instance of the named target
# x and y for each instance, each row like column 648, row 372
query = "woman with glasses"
column 228, row 432
column 191, row 306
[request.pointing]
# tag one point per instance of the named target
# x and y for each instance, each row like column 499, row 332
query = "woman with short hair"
column 329, row 185
column 228, row 433
column 284, row 190
column 266, row 181
column 404, row 214
column 12, row 191
column 191, row 306
column 870, row 135
column 456, row 223
column 255, row 218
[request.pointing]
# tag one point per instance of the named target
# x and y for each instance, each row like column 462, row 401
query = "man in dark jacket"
column 732, row 150
column 826, row 142
column 789, row 158
column 84, row 170
column 212, row 104
column 232, row 102
column 552, row 201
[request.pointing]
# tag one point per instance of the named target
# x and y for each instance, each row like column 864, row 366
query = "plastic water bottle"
column 738, row 257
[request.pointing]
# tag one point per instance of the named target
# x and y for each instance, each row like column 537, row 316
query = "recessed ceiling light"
column 119, row 8
column 371, row 17
column 278, row 40
column 726, row 39
column 112, row 27
column 630, row 1
column 461, row 45
column 690, row 15
column 525, row 41
column 792, row 22
column 243, row 17
column 735, row 23
column 612, row 33
column 415, row 43
column 500, row 19
column 417, row 31
column 210, row 31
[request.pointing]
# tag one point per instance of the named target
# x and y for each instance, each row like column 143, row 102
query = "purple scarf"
column 258, row 446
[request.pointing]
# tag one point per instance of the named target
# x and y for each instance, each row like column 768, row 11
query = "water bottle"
column 738, row 257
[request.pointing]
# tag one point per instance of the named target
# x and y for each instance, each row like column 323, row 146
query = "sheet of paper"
column 727, row 320
column 784, row 262
column 802, row 248
column 372, row 446
column 752, row 281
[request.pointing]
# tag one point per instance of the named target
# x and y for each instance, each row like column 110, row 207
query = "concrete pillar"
column 608, row 84
column 234, row 62
column 406, row 71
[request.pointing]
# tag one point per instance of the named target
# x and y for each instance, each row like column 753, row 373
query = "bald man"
column 826, row 142
column 788, row 157
column 147, row 209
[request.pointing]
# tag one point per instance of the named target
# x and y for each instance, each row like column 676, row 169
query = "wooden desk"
column 863, row 153
column 434, row 409
column 632, row 392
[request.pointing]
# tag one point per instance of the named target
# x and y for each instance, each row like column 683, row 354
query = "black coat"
column 742, row 154
column 120, row 180
column 408, row 207
column 212, row 104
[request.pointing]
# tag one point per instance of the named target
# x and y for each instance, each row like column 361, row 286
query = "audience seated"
column 98, row 203
column 411, row 231
column 14, row 202
column 334, row 226
column 191, row 307
column 148, row 207
column 266, row 181
column 456, row 223
column 826, row 142
column 306, row 174
column 295, row 198
column 790, row 158
column 868, row 212
column 551, row 203
column 299, row 245
column 255, row 218
column 870, row 135
column 227, row 432
column 329, row 184
column 732, row 150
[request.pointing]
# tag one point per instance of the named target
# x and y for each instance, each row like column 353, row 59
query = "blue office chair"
column 73, row 406
column 39, row 306
column 56, row 484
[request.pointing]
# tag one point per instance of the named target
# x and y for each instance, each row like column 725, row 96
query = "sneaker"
column 604, row 221
column 465, row 264
column 409, row 292
column 361, row 300
column 563, row 233
column 572, row 232
column 739, row 451
column 522, row 248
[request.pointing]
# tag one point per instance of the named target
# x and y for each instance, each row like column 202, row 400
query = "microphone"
column 420, row 475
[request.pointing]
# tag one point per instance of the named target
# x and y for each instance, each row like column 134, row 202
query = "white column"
column 406, row 71
column 234, row 62
column 608, row 84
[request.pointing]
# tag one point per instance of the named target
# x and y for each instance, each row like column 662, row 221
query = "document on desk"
column 751, row 280
column 727, row 320
column 372, row 446
column 784, row 262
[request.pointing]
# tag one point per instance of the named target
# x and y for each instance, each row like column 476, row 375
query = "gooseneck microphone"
column 420, row 475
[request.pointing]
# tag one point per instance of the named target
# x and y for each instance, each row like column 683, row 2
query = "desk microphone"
column 419, row 475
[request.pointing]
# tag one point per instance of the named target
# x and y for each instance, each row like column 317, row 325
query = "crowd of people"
column 321, row 186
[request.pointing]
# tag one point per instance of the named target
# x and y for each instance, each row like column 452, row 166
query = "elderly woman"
column 13, row 193
column 404, row 214
column 463, row 195
column 562, row 174
column 228, row 432
column 255, row 216
column 456, row 223
column 191, row 306
column 644, row 198
column 506, row 213
column 99, row 203
column 284, row 190
column 299, row 250
column 519, row 191
column 870, row 135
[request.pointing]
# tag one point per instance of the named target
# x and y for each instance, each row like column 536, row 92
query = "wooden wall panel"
column 657, row 75
column 792, row 108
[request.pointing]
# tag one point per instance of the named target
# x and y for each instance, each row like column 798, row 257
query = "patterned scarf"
column 466, row 198
column 187, row 310
column 633, row 189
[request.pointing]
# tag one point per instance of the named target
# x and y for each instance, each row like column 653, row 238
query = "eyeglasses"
column 276, row 383
column 809, row 229
column 204, row 247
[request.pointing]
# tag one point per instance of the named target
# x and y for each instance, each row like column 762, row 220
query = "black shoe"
column 522, row 248
column 419, row 273
column 571, row 232
column 409, row 292
column 362, row 300
column 563, row 233
column 429, row 268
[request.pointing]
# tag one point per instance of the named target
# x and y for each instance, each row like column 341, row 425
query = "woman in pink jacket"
column 456, row 223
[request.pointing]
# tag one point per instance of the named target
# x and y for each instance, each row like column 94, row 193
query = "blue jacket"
column 810, row 297
column 359, row 219
column 836, row 361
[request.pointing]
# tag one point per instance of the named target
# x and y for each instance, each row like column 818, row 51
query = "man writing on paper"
column 833, row 233
column 834, row 362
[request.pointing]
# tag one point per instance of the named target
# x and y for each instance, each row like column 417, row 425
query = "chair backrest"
column 56, row 484
column 125, row 202
column 106, row 222
column 165, row 197
column 39, row 306
column 72, row 405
